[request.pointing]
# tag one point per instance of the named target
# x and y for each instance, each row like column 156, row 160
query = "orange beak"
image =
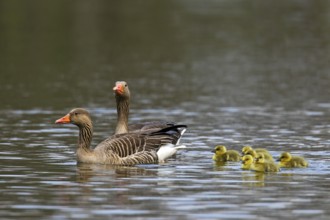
column 63, row 120
column 119, row 89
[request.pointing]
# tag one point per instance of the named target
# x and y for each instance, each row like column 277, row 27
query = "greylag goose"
column 122, row 95
column 122, row 149
column 288, row 161
column 222, row 154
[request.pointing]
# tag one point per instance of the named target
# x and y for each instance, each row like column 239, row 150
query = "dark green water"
column 237, row 72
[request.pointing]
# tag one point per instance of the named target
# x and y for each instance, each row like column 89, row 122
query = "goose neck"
column 85, row 137
column 122, row 113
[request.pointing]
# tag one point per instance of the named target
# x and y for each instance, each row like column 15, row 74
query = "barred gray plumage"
column 121, row 149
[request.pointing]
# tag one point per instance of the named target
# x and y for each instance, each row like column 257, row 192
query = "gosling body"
column 222, row 154
column 254, row 153
column 286, row 160
column 261, row 165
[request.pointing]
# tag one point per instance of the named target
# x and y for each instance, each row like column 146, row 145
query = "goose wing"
column 151, row 125
column 130, row 143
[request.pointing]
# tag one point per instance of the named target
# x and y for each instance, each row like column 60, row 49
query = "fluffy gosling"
column 261, row 165
column 258, row 150
column 288, row 161
column 254, row 154
column 222, row 154
column 247, row 162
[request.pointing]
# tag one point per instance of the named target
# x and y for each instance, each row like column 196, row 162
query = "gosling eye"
column 125, row 85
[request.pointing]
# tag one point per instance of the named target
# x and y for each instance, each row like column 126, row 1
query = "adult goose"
column 122, row 95
column 122, row 149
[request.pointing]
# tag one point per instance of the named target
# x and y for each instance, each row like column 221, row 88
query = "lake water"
column 236, row 72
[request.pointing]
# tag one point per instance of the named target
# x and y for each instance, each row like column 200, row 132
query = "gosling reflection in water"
column 255, row 179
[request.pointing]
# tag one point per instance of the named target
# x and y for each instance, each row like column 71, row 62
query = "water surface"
column 236, row 72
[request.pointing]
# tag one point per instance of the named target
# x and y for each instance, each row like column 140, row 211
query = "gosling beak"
column 213, row 151
column 278, row 160
column 118, row 89
column 63, row 120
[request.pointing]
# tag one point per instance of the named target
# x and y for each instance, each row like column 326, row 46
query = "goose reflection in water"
column 87, row 172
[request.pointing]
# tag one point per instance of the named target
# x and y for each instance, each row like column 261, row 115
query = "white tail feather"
column 167, row 151
column 181, row 133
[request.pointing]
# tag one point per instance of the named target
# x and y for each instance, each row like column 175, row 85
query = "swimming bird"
column 288, row 161
column 261, row 165
column 267, row 155
column 222, row 154
column 247, row 162
column 122, row 149
column 258, row 150
column 122, row 95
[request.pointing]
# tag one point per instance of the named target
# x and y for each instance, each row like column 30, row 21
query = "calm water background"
column 237, row 72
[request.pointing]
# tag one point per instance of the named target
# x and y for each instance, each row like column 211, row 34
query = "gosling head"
column 260, row 158
column 245, row 149
column 77, row 116
column 285, row 157
column 247, row 160
column 251, row 152
column 121, row 90
column 220, row 149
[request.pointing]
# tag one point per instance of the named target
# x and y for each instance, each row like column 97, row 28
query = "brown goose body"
column 122, row 95
column 122, row 149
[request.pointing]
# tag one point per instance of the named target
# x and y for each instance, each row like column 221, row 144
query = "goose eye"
column 125, row 85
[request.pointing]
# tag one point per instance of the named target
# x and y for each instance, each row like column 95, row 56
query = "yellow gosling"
column 222, row 154
column 258, row 150
column 288, row 161
column 247, row 162
column 267, row 155
column 261, row 165
column 245, row 149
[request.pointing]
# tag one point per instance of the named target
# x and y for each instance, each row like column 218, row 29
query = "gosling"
column 247, row 162
column 288, row 161
column 222, row 154
column 258, row 150
column 261, row 165
column 254, row 153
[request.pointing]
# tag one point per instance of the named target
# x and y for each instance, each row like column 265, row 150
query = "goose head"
column 121, row 90
column 77, row 116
